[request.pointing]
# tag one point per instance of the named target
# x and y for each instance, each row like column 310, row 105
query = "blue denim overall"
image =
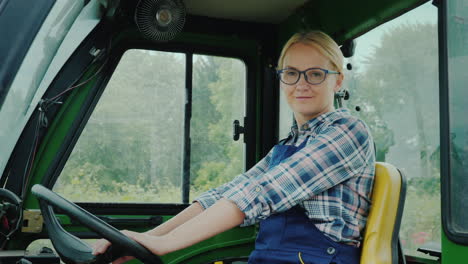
column 291, row 237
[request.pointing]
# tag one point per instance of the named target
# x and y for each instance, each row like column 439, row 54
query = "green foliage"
column 397, row 94
column 133, row 141
column 226, row 99
column 83, row 188
column 203, row 113
column 421, row 216
column 400, row 77
column 368, row 98
column 425, row 185
column 105, row 158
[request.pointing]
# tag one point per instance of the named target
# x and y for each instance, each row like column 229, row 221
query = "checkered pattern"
column 331, row 178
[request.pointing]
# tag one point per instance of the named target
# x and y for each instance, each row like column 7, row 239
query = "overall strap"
column 284, row 140
column 304, row 143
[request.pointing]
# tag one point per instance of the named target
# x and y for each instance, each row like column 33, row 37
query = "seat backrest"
column 380, row 245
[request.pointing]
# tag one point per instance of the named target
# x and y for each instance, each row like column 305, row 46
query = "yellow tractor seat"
column 381, row 243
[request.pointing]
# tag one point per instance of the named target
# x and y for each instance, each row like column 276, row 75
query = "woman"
column 311, row 193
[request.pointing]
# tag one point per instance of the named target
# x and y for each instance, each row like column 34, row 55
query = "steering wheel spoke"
column 70, row 248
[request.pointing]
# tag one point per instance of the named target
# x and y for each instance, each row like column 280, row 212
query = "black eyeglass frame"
column 278, row 72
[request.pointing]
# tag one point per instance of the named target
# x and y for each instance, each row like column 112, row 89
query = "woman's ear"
column 339, row 82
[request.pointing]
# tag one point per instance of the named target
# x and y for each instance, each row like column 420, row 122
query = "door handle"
column 237, row 130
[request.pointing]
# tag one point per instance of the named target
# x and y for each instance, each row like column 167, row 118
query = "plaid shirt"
column 331, row 178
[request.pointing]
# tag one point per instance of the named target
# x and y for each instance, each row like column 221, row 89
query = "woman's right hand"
column 102, row 245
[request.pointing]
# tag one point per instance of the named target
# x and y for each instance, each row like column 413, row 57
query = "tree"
column 204, row 113
column 365, row 97
column 399, row 75
column 227, row 100
column 135, row 132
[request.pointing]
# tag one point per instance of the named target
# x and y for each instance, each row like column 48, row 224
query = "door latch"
column 237, row 130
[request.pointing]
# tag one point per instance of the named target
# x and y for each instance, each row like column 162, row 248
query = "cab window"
column 393, row 85
column 394, row 88
column 149, row 134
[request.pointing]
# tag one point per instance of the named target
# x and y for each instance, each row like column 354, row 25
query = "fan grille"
column 145, row 19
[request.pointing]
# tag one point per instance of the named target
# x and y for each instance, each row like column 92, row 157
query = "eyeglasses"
column 312, row 75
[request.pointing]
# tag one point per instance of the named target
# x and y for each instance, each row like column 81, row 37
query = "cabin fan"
column 160, row 20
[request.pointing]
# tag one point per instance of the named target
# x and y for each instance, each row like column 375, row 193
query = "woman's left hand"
column 223, row 215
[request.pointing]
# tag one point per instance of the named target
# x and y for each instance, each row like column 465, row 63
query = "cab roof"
column 342, row 19
column 264, row 11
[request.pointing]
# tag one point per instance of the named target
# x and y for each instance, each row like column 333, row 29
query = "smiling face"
column 306, row 100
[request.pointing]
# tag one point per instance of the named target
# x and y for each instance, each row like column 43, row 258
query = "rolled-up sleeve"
column 210, row 197
column 336, row 154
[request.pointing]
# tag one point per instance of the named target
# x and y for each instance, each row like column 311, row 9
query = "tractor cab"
column 116, row 114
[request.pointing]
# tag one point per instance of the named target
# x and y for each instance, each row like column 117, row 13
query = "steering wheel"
column 70, row 248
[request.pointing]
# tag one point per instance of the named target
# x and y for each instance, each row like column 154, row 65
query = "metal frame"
column 445, row 148
column 116, row 54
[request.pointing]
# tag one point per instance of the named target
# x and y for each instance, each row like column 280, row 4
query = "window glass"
column 134, row 145
column 286, row 117
column 131, row 148
column 457, row 28
column 218, row 98
column 394, row 85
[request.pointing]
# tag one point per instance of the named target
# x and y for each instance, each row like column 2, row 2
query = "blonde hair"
column 319, row 40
